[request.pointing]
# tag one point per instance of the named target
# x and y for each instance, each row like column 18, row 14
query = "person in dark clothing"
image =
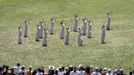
column 34, row 72
column 1, row 70
column 130, row 73
column 42, row 69
column 121, row 72
column 87, row 70
column 67, row 71
column 100, row 70
column 5, row 69
column 12, row 71
column 23, row 71
column 56, row 72
column 62, row 68
column 118, row 72
column 51, row 71
column 70, row 68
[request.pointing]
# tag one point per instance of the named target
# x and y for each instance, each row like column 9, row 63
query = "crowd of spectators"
column 60, row 70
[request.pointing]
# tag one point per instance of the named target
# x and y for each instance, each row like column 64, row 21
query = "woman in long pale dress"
column 103, row 34
column 45, row 38
column 80, row 40
column 67, row 36
column 37, row 37
column 25, row 28
column 75, row 23
column 108, row 21
column 84, row 26
column 41, row 28
column 20, row 34
column 62, row 30
column 51, row 30
column 89, row 29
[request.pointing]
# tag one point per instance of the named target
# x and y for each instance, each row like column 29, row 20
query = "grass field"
column 118, row 50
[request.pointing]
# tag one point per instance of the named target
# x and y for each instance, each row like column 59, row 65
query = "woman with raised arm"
column 20, row 34
column 62, row 30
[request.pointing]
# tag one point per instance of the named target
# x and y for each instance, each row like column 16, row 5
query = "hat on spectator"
column 51, row 67
column 80, row 65
column 109, row 70
column 105, row 69
column 66, row 67
column 71, row 66
column 23, row 65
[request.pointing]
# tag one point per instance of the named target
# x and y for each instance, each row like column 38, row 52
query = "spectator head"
column 75, row 69
column 39, row 70
column 56, row 71
column 42, row 69
column 81, row 67
column 18, row 64
column 70, row 68
column 105, row 69
column 87, row 69
column 30, row 67
column 7, row 67
column 34, row 72
column 4, row 66
column 121, row 69
column 66, row 68
column 109, row 70
column 51, row 67
column 62, row 67
column 100, row 70
column 96, row 69
column 23, row 67
column 92, row 67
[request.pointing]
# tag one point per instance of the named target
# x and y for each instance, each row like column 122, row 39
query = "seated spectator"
column 118, row 72
column 66, row 71
column 1, row 70
column 42, row 69
column 23, row 71
column 101, row 71
column 5, row 69
column 51, row 70
column 62, row 68
column 18, row 68
column 56, row 71
column 12, row 71
column 60, row 71
column 34, row 72
column 39, row 72
column 74, row 72
column 104, row 71
column 29, row 71
column 81, row 70
column 96, row 72
column 70, row 68
column 122, row 71
column 91, row 69
column 109, row 72
column 88, row 70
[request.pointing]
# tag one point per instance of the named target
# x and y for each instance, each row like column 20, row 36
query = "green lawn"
column 118, row 50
